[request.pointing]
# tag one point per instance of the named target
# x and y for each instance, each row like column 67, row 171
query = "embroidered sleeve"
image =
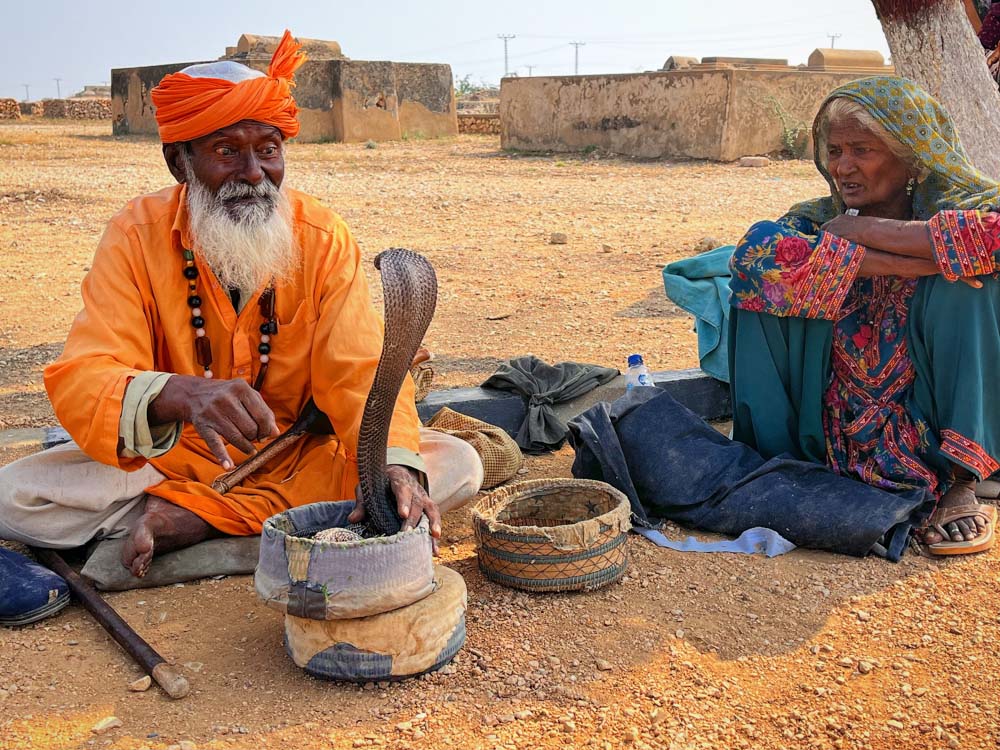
column 968, row 453
column 964, row 243
column 779, row 269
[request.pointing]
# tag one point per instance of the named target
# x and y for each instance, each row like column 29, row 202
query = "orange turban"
column 204, row 98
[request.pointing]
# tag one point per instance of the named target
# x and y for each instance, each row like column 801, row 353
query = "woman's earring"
column 910, row 185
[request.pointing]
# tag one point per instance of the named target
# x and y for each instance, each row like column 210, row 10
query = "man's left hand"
column 412, row 501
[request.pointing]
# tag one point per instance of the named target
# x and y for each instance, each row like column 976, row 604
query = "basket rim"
column 484, row 513
column 269, row 529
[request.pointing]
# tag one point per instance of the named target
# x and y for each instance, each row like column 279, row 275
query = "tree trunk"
column 932, row 42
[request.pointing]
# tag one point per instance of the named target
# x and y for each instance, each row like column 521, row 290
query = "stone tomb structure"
column 339, row 99
column 720, row 108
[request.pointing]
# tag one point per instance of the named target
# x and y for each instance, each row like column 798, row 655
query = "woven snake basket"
column 553, row 535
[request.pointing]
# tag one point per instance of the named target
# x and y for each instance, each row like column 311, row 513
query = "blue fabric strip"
column 751, row 541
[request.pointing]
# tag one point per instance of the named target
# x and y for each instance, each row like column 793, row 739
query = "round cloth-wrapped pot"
column 553, row 534
column 330, row 580
column 406, row 642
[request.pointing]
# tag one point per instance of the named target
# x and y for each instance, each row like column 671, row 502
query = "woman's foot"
column 962, row 493
column 162, row 527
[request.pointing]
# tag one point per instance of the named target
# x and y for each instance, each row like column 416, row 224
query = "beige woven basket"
column 553, row 534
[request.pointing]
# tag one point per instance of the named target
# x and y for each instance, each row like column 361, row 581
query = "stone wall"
column 702, row 114
column 339, row 100
column 77, row 109
column 9, row 109
column 478, row 124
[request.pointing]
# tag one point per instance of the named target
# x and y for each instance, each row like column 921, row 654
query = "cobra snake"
column 409, row 287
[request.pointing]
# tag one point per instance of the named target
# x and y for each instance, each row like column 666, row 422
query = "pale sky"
column 80, row 41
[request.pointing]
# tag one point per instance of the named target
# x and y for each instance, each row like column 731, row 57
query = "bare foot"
column 964, row 529
column 162, row 527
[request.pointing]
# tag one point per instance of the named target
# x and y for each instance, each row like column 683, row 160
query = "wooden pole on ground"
column 166, row 676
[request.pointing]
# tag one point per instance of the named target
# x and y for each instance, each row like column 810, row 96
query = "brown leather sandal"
column 943, row 516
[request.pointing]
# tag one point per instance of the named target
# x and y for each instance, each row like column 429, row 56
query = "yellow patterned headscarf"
column 917, row 120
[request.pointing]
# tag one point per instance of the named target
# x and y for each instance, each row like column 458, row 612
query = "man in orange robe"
column 156, row 384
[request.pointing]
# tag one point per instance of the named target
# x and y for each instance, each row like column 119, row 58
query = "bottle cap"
column 634, row 359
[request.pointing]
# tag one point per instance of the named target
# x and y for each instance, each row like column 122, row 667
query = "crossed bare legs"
column 161, row 528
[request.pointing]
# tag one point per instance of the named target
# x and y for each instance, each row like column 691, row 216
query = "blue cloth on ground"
column 700, row 286
column 28, row 591
column 750, row 542
column 672, row 465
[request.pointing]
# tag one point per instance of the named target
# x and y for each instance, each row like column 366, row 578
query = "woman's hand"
column 851, row 228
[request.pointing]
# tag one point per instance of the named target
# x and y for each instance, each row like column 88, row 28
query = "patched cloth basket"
column 553, row 534
column 406, row 642
column 318, row 580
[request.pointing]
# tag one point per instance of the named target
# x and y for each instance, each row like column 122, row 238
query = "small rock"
column 106, row 725
column 754, row 161
column 864, row 616
column 895, row 724
column 557, row 238
column 604, row 666
column 864, row 667
column 141, row 685
column 417, row 734
column 631, row 735
column 187, row 745
column 707, row 243
column 846, row 662
column 606, row 248
column 404, row 726
column 522, row 715
column 569, row 726
column 194, row 666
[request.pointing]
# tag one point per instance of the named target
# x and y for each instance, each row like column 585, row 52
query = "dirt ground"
column 807, row 650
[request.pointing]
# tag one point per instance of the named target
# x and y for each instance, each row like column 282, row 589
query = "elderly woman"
column 865, row 331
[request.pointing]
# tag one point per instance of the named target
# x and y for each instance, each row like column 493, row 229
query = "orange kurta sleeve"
column 109, row 343
column 346, row 350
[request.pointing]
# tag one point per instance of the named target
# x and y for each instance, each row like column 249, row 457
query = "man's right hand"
column 222, row 411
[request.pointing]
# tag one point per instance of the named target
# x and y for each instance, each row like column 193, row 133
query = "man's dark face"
column 247, row 152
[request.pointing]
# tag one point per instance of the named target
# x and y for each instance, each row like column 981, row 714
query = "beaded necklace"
column 202, row 344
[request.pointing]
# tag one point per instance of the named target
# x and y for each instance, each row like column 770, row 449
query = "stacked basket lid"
column 553, row 534
column 361, row 610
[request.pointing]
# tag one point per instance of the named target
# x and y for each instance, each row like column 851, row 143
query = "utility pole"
column 27, row 95
column 58, row 90
column 833, row 39
column 506, row 38
column 530, row 69
column 576, row 56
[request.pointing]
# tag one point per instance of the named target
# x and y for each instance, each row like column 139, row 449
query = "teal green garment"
column 781, row 366
column 700, row 286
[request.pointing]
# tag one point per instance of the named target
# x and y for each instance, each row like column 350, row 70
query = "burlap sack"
column 500, row 454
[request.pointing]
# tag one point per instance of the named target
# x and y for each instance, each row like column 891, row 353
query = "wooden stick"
column 167, row 677
column 310, row 420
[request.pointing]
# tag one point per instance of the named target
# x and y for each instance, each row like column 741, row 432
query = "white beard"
column 247, row 243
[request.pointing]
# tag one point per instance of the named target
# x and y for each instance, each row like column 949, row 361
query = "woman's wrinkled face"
column 868, row 175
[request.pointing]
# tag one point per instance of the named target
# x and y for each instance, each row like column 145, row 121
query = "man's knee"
column 454, row 469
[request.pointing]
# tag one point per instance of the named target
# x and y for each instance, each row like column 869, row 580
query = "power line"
column 506, row 38
column 576, row 56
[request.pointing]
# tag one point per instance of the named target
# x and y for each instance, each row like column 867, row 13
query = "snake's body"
column 410, row 292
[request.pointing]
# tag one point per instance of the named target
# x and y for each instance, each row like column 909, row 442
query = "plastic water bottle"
column 636, row 374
